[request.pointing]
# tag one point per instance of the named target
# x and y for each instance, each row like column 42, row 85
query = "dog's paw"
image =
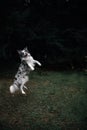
column 23, row 92
column 32, row 69
column 39, row 64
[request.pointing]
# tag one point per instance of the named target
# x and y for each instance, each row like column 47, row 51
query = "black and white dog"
column 21, row 77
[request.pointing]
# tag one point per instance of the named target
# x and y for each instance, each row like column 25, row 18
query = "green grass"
column 58, row 101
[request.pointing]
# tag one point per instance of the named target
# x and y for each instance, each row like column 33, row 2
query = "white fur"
column 13, row 89
column 31, row 62
column 20, row 81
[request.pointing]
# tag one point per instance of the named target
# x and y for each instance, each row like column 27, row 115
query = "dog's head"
column 24, row 53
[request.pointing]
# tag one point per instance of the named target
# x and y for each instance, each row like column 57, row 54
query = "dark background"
column 53, row 30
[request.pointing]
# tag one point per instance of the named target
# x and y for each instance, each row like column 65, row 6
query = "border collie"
column 22, row 75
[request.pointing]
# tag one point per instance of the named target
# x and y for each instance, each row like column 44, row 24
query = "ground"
column 57, row 101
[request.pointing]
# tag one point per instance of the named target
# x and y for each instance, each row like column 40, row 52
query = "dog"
column 21, row 77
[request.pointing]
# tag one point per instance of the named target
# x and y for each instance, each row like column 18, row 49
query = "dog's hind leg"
column 21, row 88
column 25, row 87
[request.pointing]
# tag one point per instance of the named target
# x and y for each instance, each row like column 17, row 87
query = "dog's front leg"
column 31, row 67
column 35, row 61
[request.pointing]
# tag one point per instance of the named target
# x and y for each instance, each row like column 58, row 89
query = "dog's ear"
column 19, row 52
column 26, row 49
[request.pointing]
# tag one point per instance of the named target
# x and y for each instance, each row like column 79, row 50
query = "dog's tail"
column 13, row 89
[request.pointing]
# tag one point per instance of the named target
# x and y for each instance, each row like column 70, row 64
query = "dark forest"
column 54, row 31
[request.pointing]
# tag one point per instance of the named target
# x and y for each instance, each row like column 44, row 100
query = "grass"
column 58, row 101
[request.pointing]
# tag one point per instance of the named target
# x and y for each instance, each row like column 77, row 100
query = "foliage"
column 58, row 27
